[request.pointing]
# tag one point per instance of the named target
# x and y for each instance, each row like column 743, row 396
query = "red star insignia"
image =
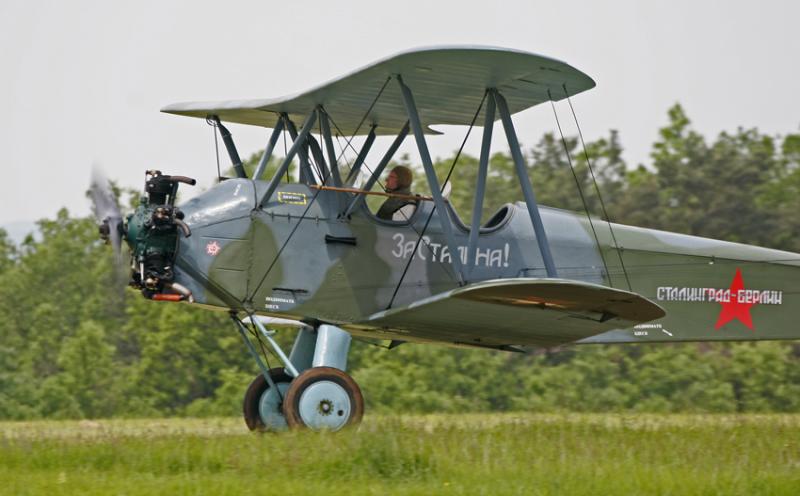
column 212, row 248
column 734, row 309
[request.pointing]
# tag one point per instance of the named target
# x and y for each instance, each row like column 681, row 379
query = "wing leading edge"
column 523, row 311
column 448, row 84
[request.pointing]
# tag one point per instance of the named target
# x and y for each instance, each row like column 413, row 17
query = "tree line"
column 74, row 344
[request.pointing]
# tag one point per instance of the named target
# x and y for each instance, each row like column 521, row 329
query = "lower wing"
column 505, row 313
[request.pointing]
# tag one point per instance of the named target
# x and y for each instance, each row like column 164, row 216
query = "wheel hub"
column 325, row 405
column 269, row 407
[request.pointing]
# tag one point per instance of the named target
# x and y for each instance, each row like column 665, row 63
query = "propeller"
column 107, row 211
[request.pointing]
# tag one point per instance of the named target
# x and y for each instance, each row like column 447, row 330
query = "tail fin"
column 711, row 290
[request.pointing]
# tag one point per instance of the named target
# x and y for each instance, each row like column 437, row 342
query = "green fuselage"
column 296, row 257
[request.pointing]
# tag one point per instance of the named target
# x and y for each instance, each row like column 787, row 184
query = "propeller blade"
column 106, row 210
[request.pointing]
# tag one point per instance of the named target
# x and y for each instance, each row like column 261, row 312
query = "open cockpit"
column 460, row 86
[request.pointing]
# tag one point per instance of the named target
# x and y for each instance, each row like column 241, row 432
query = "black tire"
column 252, row 397
column 310, row 376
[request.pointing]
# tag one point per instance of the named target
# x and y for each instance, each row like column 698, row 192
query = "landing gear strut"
column 313, row 391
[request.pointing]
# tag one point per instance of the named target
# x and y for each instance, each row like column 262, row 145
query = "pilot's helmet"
column 404, row 176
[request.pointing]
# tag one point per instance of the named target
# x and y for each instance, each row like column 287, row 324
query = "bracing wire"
column 347, row 144
column 364, row 118
column 342, row 153
column 445, row 267
column 286, row 242
column 314, row 165
column 597, row 189
column 213, row 124
column 433, row 210
column 264, row 350
column 313, row 198
column 580, row 189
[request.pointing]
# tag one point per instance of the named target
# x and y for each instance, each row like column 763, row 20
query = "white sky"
column 83, row 81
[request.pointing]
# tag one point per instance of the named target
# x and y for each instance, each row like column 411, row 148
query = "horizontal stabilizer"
column 520, row 311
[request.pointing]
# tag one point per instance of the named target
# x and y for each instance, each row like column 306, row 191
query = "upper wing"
column 524, row 311
column 448, row 84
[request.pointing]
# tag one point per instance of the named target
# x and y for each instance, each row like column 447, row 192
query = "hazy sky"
column 82, row 82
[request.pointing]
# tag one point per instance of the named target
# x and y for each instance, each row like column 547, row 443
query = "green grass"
column 447, row 454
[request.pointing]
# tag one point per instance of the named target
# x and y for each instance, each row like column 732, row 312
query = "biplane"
column 307, row 250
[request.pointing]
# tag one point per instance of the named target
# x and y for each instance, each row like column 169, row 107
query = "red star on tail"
column 734, row 309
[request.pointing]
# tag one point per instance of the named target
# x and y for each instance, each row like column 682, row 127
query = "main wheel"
column 323, row 398
column 263, row 406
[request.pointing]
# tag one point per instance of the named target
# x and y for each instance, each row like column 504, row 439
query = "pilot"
column 397, row 208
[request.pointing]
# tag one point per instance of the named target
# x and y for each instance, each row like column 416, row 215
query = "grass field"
column 469, row 454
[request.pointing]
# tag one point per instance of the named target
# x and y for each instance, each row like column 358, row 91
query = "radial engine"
column 152, row 232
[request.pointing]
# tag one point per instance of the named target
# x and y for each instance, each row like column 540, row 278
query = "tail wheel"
column 323, row 398
column 263, row 406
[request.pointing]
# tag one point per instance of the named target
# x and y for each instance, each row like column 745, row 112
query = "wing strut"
column 297, row 147
column 362, row 155
column 230, row 146
column 525, row 184
column 387, row 157
column 262, row 164
column 433, row 182
column 326, row 136
column 321, row 167
column 306, row 176
column 480, row 188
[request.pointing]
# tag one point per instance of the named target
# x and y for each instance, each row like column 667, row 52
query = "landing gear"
column 312, row 391
column 323, row 398
column 263, row 404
